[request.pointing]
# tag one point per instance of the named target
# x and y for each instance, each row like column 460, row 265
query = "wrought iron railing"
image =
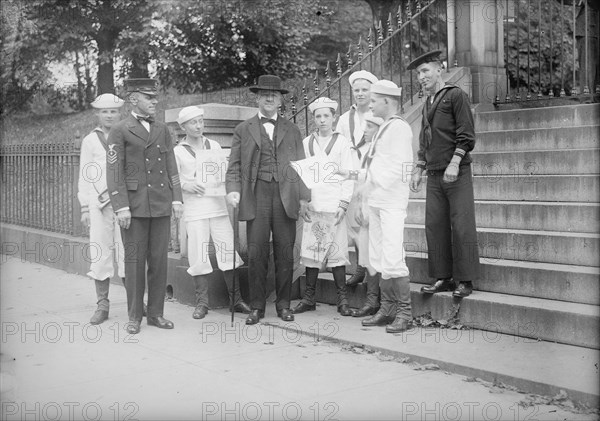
column 39, row 186
column 416, row 28
column 551, row 49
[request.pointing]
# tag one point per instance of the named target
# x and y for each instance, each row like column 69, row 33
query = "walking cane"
column 235, row 248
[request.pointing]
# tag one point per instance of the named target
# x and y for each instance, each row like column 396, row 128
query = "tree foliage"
column 206, row 45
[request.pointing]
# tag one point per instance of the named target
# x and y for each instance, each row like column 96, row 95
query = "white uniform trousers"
column 386, row 242
column 105, row 244
column 199, row 233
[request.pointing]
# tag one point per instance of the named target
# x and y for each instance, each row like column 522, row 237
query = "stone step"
column 540, row 216
column 538, row 162
column 552, row 281
column 541, row 188
column 525, row 245
column 548, row 138
column 526, row 317
column 531, row 118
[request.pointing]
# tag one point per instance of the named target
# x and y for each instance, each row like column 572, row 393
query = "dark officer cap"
column 143, row 85
column 425, row 58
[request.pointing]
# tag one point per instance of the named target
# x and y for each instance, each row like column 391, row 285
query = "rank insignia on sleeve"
column 111, row 155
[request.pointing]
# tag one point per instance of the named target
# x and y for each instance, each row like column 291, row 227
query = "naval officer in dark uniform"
column 144, row 189
column 447, row 136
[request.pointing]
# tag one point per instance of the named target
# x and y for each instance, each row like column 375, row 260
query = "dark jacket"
column 244, row 161
column 141, row 169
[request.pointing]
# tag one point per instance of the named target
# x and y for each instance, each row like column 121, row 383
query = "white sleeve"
column 393, row 157
column 85, row 186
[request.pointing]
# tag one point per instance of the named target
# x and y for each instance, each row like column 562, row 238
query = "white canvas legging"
column 386, row 241
column 199, row 233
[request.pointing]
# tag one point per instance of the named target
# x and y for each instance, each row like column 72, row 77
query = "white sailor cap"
column 107, row 101
column 362, row 74
column 374, row 120
column 322, row 103
column 187, row 113
column 386, row 87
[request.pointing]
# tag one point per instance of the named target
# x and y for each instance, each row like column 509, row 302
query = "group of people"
column 132, row 180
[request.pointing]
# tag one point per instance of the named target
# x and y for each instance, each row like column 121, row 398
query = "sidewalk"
column 57, row 366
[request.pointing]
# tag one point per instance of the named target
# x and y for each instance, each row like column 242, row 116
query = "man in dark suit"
column 144, row 187
column 270, row 194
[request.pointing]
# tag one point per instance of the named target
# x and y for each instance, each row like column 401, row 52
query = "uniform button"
column 149, row 185
column 159, row 159
column 148, row 171
column 162, row 185
column 160, row 172
column 147, row 159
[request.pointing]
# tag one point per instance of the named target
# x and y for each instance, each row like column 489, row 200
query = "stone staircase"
column 537, row 205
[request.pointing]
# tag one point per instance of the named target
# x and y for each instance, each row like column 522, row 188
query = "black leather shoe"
column 285, row 314
column 365, row 311
column 302, row 307
column 254, row 317
column 242, row 307
column 344, row 310
column 160, row 322
column 399, row 325
column 133, row 327
column 200, row 312
column 358, row 276
column 464, row 290
column 378, row 320
column 440, row 285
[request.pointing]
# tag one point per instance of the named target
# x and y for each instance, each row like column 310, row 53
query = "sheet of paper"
column 317, row 170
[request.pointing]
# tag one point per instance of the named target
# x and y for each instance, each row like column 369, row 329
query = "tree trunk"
column 106, row 45
column 139, row 64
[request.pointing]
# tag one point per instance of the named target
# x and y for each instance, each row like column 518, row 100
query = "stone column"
column 479, row 45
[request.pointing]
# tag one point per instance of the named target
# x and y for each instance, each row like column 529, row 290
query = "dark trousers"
column 450, row 227
column 270, row 218
column 146, row 241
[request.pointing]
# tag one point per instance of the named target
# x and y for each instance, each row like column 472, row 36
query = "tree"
column 101, row 22
column 208, row 45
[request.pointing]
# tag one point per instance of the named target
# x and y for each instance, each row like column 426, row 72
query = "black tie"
column 147, row 119
column 264, row 120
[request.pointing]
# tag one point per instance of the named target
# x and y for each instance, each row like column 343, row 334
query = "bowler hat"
column 143, row 85
column 425, row 58
column 268, row 83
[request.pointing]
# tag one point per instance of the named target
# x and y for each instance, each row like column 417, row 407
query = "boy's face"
column 370, row 130
column 268, row 102
column 194, row 127
column 378, row 105
column 324, row 119
column 143, row 103
column 107, row 117
column 428, row 74
column 361, row 91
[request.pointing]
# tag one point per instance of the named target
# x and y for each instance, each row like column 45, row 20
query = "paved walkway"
column 54, row 365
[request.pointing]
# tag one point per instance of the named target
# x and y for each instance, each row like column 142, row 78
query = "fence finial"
column 338, row 64
column 380, row 34
column 370, row 40
column 399, row 16
column 359, row 47
column 389, row 25
column 316, row 83
column 349, row 55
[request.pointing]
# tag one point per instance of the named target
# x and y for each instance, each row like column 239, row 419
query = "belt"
column 438, row 173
